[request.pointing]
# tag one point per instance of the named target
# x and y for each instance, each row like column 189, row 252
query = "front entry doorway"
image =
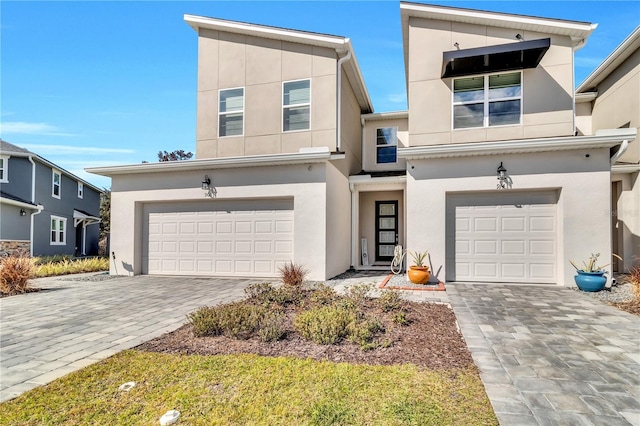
column 386, row 229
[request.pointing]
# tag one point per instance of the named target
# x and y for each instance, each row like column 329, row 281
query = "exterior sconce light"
column 206, row 183
column 503, row 179
column 23, row 212
column 519, row 37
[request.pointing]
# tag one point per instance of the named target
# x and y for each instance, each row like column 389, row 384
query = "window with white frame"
column 4, row 169
column 386, row 145
column 231, row 112
column 58, row 231
column 296, row 105
column 56, row 183
column 488, row 100
column 80, row 190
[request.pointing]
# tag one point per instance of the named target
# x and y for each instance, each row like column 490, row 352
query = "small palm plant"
column 591, row 265
column 419, row 257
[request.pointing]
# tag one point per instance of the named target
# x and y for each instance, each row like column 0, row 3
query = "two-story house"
column 45, row 210
column 484, row 169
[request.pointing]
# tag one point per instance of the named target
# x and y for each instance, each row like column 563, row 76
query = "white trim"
column 16, row 203
column 296, row 106
column 314, row 156
column 55, row 172
column 625, row 168
column 620, row 54
column 486, row 101
column 58, row 220
column 518, row 146
column 379, row 116
column 5, row 168
column 231, row 112
column 80, row 190
column 379, row 146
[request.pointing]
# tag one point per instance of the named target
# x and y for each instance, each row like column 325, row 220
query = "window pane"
column 231, row 125
column 386, row 136
column 468, row 116
column 297, row 92
column 504, row 86
column 56, row 189
column 387, row 237
column 296, row 118
column 504, row 112
column 468, row 89
column 231, row 100
column 53, row 236
column 53, row 224
column 387, row 223
column 386, row 209
column 56, row 178
column 386, row 154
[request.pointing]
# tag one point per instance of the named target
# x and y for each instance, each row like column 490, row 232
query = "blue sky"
column 101, row 83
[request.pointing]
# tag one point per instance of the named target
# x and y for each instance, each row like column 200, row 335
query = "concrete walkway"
column 550, row 355
column 46, row 335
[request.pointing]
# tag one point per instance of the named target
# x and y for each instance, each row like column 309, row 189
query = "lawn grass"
column 250, row 389
column 63, row 265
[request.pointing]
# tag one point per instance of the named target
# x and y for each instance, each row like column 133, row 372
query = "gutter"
column 339, row 98
column 33, row 214
column 620, row 152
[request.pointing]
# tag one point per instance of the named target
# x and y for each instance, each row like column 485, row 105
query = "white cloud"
column 45, row 150
column 21, row 127
column 397, row 98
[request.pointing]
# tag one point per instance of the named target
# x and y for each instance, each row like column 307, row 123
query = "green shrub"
column 389, row 301
column 63, row 265
column 358, row 293
column 362, row 332
column 239, row 320
column 323, row 295
column 272, row 327
column 15, row 272
column 56, row 258
column 292, row 274
column 326, row 325
column 400, row 318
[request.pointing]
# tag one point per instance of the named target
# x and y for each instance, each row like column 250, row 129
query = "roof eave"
column 215, row 163
column 517, row 146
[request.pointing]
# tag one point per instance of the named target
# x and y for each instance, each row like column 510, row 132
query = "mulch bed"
column 431, row 340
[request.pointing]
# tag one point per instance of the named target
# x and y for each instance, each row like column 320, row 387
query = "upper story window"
column 231, row 112
column 58, row 231
column 56, row 182
column 386, row 145
column 489, row 100
column 296, row 105
column 80, row 190
column 4, row 169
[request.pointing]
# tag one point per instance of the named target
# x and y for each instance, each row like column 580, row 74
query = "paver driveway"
column 550, row 355
column 48, row 334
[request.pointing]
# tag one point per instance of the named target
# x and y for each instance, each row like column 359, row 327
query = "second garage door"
column 502, row 237
column 240, row 238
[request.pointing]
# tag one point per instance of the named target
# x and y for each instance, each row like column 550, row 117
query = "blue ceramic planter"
column 591, row 281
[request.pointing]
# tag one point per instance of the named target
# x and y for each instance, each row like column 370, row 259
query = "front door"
column 386, row 229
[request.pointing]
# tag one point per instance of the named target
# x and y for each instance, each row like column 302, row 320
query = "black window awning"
column 502, row 57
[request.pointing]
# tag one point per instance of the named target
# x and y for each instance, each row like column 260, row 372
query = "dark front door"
column 386, row 229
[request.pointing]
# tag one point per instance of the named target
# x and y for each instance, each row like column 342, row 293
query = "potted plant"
column 418, row 273
column 590, row 276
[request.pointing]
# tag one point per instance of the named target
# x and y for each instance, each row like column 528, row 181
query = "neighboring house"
column 609, row 98
column 293, row 164
column 45, row 210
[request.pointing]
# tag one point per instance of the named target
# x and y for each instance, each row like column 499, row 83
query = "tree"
column 177, row 155
column 105, row 212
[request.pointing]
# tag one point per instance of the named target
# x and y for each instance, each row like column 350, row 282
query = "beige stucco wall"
column 338, row 214
column 618, row 103
column 627, row 218
column 369, row 148
column 304, row 183
column 259, row 65
column 367, row 222
column 583, row 219
column 547, row 91
column 583, row 119
column 351, row 129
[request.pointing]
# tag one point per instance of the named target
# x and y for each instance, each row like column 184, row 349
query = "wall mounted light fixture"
column 206, row 182
column 519, row 37
column 23, row 212
column 503, row 179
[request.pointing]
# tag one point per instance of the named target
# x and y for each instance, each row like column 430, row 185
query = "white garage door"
column 505, row 237
column 243, row 238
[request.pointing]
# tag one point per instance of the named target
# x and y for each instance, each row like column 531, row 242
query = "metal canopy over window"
column 503, row 57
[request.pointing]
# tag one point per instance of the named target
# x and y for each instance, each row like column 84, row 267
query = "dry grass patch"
column 632, row 306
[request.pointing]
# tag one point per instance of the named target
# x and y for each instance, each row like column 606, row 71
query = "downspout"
column 620, row 152
column 339, row 99
column 33, row 200
column 353, row 224
column 38, row 211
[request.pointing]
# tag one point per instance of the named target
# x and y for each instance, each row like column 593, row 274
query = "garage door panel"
column 245, row 242
column 511, row 237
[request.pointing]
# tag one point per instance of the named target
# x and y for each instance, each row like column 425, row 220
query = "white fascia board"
column 517, row 146
column 17, row 203
column 613, row 61
column 367, row 179
column 576, row 29
column 215, row 163
column 393, row 115
column 585, row 97
column 364, row 100
column 264, row 31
